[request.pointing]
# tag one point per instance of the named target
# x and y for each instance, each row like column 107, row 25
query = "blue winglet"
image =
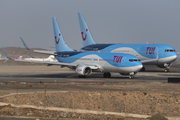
column 24, row 44
column 6, row 55
column 157, row 53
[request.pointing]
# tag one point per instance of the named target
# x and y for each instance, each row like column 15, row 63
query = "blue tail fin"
column 85, row 33
column 59, row 42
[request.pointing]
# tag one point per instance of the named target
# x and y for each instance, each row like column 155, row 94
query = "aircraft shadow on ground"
column 94, row 76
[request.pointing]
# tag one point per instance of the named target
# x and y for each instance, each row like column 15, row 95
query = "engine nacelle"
column 83, row 70
column 165, row 65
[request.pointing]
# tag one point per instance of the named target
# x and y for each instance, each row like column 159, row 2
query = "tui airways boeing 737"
column 84, row 63
column 145, row 52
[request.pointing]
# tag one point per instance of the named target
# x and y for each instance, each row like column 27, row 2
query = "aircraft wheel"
column 107, row 75
column 131, row 77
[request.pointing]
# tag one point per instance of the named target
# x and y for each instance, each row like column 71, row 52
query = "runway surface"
column 36, row 74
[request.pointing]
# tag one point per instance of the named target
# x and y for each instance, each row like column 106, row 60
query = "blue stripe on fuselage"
column 115, row 59
column 145, row 50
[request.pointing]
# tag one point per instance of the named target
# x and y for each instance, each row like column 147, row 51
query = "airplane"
column 167, row 54
column 84, row 63
column 51, row 58
column 2, row 58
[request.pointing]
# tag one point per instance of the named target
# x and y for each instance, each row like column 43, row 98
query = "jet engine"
column 165, row 65
column 83, row 70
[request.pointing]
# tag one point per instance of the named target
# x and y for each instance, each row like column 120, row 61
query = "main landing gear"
column 131, row 76
column 166, row 70
column 107, row 75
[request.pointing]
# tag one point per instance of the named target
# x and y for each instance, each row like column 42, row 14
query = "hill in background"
column 17, row 51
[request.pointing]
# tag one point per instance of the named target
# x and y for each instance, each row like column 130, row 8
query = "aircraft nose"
column 139, row 67
column 174, row 57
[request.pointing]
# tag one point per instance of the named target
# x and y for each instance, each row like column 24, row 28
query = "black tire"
column 82, row 76
column 105, row 75
column 109, row 75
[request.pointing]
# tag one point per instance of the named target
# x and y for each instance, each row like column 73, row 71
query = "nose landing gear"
column 131, row 75
column 167, row 66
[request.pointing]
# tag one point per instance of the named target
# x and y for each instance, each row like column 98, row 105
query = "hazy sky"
column 111, row 21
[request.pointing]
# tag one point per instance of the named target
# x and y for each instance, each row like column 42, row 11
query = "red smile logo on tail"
column 85, row 35
column 58, row 39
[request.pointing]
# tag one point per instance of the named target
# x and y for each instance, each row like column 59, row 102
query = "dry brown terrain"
column 17, row 51
column 135, row 98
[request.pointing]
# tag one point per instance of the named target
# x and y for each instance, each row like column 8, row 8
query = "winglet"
column 6, row 55
column 85, row 33
column 157, row 53
column 24, row 44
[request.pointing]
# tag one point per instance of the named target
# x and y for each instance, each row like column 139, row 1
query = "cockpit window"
column 169, row 50
column 131, row 60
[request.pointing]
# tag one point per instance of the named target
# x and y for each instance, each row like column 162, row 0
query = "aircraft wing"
column 48, row 63
column 152, row 60
column 45, row 62
column 38, row 51
column 45, row 52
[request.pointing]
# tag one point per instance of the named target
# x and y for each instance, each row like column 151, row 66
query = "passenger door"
column 123, row 61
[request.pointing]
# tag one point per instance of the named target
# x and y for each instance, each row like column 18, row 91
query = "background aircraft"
column 2, row 58
column 84, row 63
column 167, row 54
column 51, row 58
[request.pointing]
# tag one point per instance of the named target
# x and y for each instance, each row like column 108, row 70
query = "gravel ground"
column 147, row 103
